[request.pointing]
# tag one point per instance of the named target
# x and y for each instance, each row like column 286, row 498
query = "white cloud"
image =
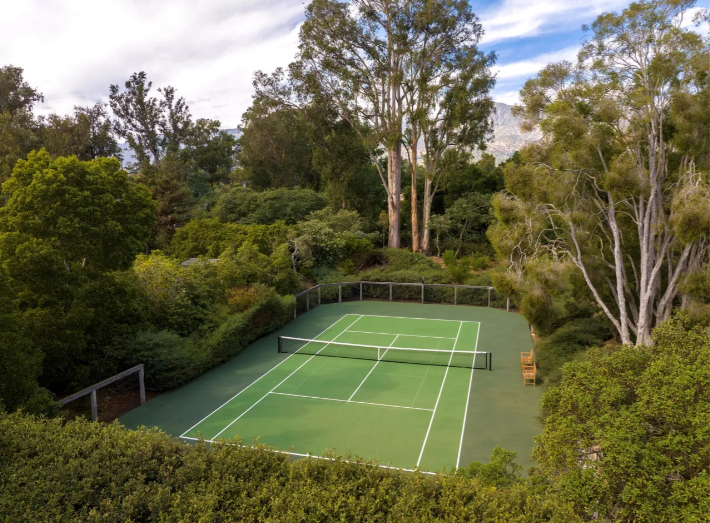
column 507, row 97
column 512, row 19
column 72, row 50
column 530, row 66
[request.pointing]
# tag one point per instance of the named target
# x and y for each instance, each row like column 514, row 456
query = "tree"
column 87, row 134
column 20, row 361
column 66, row 222
column 608, row 189
column 18, row 128
column 276, row 147
column 627, row 433
column 152, row 126
column 16, row 95
column 354, row 52
column 240, row 205
column 447, row 85
column 209, row 150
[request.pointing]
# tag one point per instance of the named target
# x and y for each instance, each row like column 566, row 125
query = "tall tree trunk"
column 426, row 214
column 415, row 204
column 394, row 179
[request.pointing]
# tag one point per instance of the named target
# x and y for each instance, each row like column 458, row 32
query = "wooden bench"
column 529, row 373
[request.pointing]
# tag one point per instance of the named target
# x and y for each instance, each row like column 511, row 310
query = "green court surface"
column 406, row 384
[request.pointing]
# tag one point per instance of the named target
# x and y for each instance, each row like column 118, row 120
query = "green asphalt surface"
column 401, row 414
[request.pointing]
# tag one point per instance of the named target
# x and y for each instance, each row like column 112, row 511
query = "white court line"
column 277, row 386
column 373, row 368
column 253, row 382
column 431, row 421
column 313, row 456
column 468, row 398
column 409, row 318
column 348, row 401
column 407, row 335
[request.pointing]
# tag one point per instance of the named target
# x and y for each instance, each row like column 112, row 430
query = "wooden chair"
column 529, row 373
column 526, row 358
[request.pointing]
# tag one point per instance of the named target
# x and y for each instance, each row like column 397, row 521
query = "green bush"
column 171, row 360
column 79, row 471
column 627, row 432
column 567, row 343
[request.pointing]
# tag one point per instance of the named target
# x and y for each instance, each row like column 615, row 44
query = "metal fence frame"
column 93, row 388
column 317, row 289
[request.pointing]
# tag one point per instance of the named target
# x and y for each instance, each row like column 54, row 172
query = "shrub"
column 81, row 471
column 567, row 343
column 171, row 360
column 457, row 269
column 627, row 433
column 240, row 299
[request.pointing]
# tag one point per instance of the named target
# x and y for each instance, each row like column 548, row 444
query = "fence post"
column 489, row 296
column 319, row 295
column 390, row 291
column 456, row 292
column 422, row 293
column 141, row 383
column 308, row 300
column 340, row 293
column 507, row 305
column 360, row 291
column 295, row 313
column 94, row 406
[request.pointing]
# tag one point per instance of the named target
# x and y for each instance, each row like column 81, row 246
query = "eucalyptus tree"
column 612, row 190
column 447, row 94
column 354, row 52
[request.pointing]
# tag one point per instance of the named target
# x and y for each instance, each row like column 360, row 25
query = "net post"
column 94, row 406
column 390, row 291
column 308, row 300
column 360, row 291
column 280, row 347
column 489, row 296
column 319, row 295
column 141, row 383
column 490, row 361
column 456, row 292
column 340, row 293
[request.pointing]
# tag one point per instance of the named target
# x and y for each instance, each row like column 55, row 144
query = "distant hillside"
column 508, row 137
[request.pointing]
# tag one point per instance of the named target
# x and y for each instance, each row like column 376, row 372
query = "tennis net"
column 467, row 359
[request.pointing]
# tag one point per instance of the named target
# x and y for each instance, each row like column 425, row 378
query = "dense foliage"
column 82, row 471
column 598, row 233
column 627, row 433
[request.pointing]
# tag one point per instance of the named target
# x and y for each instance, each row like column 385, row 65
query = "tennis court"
column 391, row 388
column 295, row 403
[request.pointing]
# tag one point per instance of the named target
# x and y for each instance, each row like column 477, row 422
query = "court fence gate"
column 443, row 293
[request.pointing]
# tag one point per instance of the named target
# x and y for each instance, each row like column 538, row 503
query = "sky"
column 72, row 50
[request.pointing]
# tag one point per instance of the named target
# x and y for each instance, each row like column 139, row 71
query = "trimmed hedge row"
column 171, row 360
column 83, row 471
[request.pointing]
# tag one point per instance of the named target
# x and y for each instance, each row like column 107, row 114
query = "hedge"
column 171, row 360
column 82, row 471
